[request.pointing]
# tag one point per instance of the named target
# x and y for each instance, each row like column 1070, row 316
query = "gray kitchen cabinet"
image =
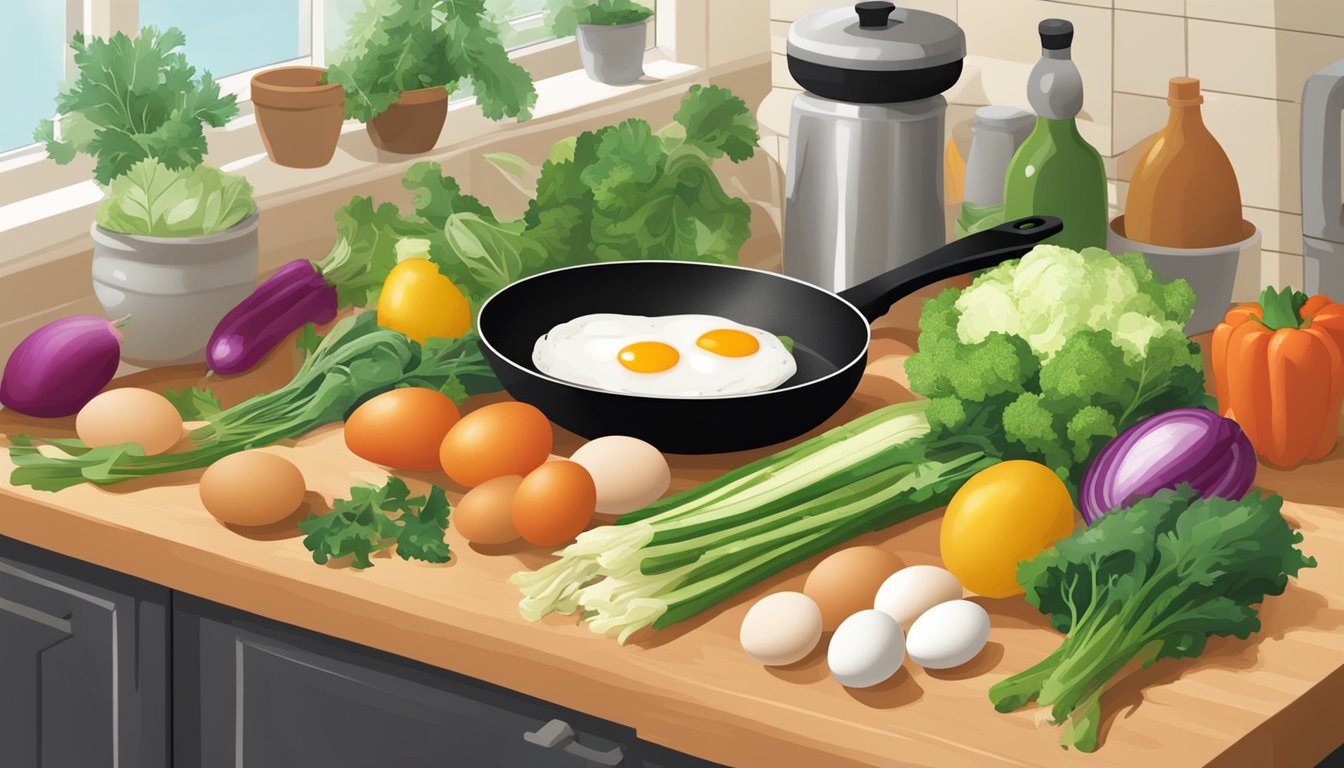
column 254, row 693
column 83, row 664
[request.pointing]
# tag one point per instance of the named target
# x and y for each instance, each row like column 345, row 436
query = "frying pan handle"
column 981, row 250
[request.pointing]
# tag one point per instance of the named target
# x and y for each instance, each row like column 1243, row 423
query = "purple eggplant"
column 1186, row 445
column 293, row 296
column 61, row 366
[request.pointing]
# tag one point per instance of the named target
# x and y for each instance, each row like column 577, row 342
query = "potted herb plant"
column 174, row 241
column 402, row 58
column 299, row 116
column 610, row 33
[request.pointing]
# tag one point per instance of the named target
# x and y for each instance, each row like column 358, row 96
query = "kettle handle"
column 1322, row 103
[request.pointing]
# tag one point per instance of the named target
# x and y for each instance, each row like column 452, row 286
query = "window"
column 34, row 65
column 275, row 31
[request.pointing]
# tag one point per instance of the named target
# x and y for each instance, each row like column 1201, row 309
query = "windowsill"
column 56, row 223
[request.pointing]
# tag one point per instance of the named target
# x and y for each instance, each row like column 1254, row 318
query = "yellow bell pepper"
column 418, row 300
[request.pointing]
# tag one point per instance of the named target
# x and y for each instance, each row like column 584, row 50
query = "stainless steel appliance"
column 865, row 168
column 1322, row 208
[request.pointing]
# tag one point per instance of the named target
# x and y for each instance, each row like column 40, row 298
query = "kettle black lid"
column 876, row 36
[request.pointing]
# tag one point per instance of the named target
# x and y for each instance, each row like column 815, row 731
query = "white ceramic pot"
column 1210, row 271
column 613, row 54
column 175, row 289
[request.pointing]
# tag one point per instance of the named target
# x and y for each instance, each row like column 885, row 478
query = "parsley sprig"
column 376, row 518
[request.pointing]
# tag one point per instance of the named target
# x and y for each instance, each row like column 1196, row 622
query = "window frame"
column 26, row 172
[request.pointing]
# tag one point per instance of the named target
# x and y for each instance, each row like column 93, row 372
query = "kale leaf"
column 1150, row 582
column 375, row 518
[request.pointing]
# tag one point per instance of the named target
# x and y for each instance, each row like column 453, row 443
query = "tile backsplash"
column 1251, row 56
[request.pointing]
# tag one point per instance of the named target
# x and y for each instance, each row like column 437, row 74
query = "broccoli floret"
column 1053, row 355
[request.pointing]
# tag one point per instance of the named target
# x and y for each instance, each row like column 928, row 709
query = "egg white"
column 585, row 351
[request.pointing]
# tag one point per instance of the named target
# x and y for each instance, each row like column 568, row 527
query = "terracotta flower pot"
column 413, row 123
column 299, row 117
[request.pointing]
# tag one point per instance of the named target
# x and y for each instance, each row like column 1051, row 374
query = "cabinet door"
column 253, row 693
column 83, row 664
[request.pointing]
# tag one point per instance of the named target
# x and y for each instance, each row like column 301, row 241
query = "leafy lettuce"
column 564, row 16
column 152, row 199
column 623, row 191
column 134, row 99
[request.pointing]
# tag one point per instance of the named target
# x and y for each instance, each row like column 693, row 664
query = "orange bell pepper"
column 1278, row 369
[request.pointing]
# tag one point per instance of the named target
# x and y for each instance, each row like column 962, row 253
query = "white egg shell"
column 909, row 592
column 866, row 649
column 629, row 473
column 948, row 635
column 781, row 628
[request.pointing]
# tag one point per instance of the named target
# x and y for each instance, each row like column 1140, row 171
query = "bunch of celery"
column 686, row 553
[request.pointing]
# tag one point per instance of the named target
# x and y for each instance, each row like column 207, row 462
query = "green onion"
column 691, row 551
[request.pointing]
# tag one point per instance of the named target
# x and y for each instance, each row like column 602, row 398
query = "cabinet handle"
column 558, row 735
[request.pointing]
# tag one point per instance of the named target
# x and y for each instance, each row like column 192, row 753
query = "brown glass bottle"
column 1184, row 193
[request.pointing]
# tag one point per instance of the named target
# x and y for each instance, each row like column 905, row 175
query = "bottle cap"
column 1184, row 92
column 1056, row 34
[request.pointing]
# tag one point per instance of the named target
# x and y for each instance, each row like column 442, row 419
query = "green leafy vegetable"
column 1053, row 355
column 308, row 340
column 564, row 16
column 193, row 404
column 401, row 45
column 375, row 518
column 1150, row 582
column 134, row 99
column 356, row 360
column 153, row 199
column 620, row 192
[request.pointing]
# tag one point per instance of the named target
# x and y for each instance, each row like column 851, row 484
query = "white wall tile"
column 1170, row 7
column 1261, row 138
column 1279, row 231
column 738, row 30
column 1137, row 118
column 779, row 73
column 1149, row 51
column 1322, row 16
column 1278, row 269
column 779, row 36
column 1256, row 61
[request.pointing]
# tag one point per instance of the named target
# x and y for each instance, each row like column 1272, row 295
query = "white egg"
column 911, row 591
column 866, row 649
column 629, row 473
column 948, row 635
column 781, row 628
column 669, row 356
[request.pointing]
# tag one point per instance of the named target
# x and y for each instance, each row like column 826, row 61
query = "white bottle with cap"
column 997, row 133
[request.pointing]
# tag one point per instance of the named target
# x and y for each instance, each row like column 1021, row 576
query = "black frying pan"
column 830, row 334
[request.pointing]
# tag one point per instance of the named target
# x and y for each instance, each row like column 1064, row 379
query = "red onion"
column 1187, row 445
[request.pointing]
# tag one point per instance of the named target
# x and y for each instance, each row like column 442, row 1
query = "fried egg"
column 669, row 356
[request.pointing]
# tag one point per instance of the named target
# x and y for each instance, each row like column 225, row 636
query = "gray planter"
column 613, row 54
column 175, row 289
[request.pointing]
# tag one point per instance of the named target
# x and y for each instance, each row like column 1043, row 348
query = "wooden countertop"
column 1270, row 701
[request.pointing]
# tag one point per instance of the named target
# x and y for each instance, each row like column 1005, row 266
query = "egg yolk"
column 648, row 357
column 729, row 342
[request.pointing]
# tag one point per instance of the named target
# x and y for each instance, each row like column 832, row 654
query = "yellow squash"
column 1003, row 515
column 418, row 300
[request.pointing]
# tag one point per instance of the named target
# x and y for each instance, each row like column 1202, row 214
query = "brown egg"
column 485, row 513
column 554, row 503
column 847, row 581
column 252, row 488
column 499, row 439
column 130, row 415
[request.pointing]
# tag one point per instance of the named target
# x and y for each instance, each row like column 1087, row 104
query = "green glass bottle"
column 1056, row 172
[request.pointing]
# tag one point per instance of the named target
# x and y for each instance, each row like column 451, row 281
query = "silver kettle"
column 1322, row 208
column 865, row 169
